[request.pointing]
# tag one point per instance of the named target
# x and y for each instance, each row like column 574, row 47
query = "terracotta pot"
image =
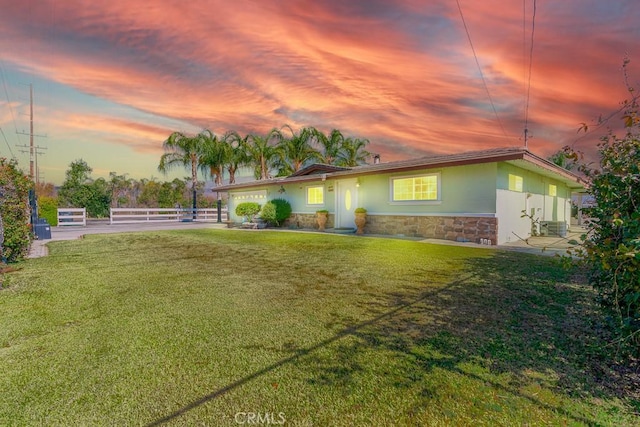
column 321, row 218
column 361, row 220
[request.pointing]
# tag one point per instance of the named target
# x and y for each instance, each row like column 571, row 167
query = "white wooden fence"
column 78, row 216
column 134, row 215
column 72, row 216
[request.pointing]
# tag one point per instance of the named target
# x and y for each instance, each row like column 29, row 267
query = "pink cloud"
column 401, row 74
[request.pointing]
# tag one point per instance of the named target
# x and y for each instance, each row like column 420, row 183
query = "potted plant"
column 322, row 216
column 361, row 219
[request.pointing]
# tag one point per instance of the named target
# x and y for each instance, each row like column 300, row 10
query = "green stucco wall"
column 463, row 189
column 532, row 182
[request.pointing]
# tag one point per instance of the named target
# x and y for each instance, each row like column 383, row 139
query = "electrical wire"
column 7, row 142
column 528, row 91
column 486, row 87
column 6, row 92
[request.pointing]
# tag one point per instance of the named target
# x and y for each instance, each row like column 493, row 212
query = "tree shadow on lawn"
column 512, row 314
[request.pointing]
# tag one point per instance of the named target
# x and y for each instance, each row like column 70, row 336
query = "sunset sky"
column 112, row 79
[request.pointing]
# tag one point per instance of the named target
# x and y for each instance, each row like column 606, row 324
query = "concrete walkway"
column 548, row 246
column 538, row 245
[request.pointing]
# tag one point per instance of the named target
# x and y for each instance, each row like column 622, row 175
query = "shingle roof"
column 516, row 155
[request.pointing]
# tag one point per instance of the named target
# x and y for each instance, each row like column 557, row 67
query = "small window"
column 315, row 195
column 415, row 188
column 515, row 183
column 553, row 190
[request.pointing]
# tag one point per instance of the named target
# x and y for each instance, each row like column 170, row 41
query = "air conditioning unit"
column 553, row 228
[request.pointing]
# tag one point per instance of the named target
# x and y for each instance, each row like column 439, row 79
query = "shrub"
column 360, row 210
column 14, row 210
column 248, row 209
column 277, row 212
column 48, row 209
column 268, row 213
column 611, row 247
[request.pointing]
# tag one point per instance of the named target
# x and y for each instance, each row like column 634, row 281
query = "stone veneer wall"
column 460, row 228
column 298, row 220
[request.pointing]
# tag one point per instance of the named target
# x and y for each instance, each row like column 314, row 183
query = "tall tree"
column 353, row 152
column 120, row 187
column 214, row 156
column 79, row 191
column 330, row 145
column 261, row 152
column 296, row 151
column 236, row 155
column 183, row 150
column 564, row 159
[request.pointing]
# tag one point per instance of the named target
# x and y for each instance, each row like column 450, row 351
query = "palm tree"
column 236, row 155
column 261, row 152
column 213, row 159
column 296, row 151
column 563, row 159
column 184, row 151
column 329, row 145
column 353, row 153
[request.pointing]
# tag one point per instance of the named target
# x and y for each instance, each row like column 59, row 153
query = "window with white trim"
column 515, row 183
column 315, row 195
column 415, row 188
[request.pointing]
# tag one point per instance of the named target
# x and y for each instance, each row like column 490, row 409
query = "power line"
column 6, row 92
column 528, row 94
column 7, row 142
column 495, row 112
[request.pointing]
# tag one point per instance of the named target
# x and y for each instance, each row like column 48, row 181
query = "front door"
column 347, row 200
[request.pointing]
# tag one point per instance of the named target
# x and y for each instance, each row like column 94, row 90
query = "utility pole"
column 33, row 150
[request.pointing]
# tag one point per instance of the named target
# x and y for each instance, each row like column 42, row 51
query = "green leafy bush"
column 360, row 210
column 276, row 211
column 248, row 209
column 79, row 191
column 48, row 209
column 611, row 247
column 14, row 210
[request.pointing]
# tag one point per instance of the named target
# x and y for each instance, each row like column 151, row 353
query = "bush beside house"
column 14, row 210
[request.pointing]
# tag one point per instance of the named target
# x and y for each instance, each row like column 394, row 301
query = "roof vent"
column 376, row 159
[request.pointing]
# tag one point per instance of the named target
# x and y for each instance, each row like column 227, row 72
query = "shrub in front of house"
column 268, row 213
column 276, row 211
column 248, row 209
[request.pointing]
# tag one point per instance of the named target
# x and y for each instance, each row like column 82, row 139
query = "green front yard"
column 216, row 327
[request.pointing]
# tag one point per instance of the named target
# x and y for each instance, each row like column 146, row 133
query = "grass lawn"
column 224, row 327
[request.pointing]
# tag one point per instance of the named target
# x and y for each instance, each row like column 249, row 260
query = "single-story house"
column 491, row 196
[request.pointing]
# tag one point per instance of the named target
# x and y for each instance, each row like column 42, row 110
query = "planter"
column 321, row 219
column 361, row 220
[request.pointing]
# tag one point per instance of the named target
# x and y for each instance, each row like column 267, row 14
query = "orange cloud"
column 400, row 73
